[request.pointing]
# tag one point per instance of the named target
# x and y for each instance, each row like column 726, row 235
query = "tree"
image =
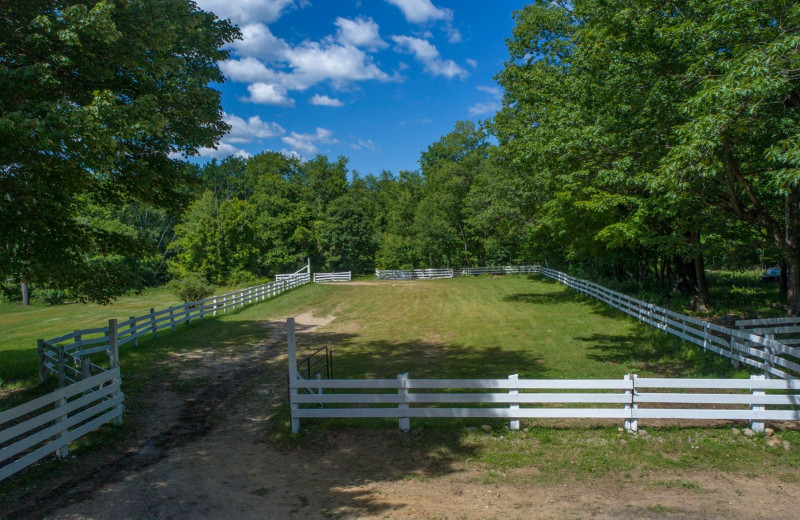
column 96, row 98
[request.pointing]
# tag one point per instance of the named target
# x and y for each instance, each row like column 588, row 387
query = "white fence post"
column 293, row 376
column 42, row 359
column 404, row 422
column 631, row 424
column 514, row 423
column 757, row 426
column 133, row 331
column 153, row 324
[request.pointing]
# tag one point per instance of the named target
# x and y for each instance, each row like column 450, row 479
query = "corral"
column 208, row 431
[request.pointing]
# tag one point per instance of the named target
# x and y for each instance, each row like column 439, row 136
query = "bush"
column 50, row 296
column 191, row 288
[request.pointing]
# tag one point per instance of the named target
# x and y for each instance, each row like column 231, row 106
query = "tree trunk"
column 784, row 277
column 685, row 277
column 700, row 268
column 25, row 297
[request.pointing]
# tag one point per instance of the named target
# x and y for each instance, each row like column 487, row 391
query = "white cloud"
column 223, row 150
column 325, row 101
column 368, row 144
column 269, row 94
column 360, row 33
column 258, row 41
column 303, row 145
column 243, row 12
column 422, row 11
column 247, row 70
column 488, row 107
column 254, row 128
column 472, row 63
column 315, row 62
column 427, row 54
column 453, row 35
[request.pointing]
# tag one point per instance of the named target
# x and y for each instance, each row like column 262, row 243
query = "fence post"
column 203, row 308
column 62, row 451
column 113, row 356
column 404, row 422
column 86, row 369
column 514, row 424
column 172, row 317
column 214, row 312
column 153, row 324
column 768, row 353
column 62, row 368
column 631, row 424
column 734, row 362
column 132, row 330
column 757, row 426
column 291, row 342
column 41, row 358
column 188, row 313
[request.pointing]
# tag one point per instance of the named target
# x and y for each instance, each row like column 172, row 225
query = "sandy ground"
column 213, row 455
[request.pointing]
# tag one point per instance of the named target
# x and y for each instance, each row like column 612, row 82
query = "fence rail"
column 721, row 399
column 415, row 274
column 508, row 269
column 774, row 357
column 333, row 277
column 47, row 425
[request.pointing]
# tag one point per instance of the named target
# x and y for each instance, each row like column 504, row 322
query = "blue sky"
column 374, row 80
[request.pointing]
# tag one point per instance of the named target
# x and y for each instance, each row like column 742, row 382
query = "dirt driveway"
column 217, row 452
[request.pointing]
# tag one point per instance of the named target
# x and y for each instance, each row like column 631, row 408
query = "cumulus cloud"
column 258, row 41
column 247, row 70
column 254, row 128
column 487, row 107
column 314, row 62
column 325, row 101
column 360, row 32
column 303, row 145
column 422, row 11
column 427, row 54
column 243, row 12
column 269, row 94
column 223, row 150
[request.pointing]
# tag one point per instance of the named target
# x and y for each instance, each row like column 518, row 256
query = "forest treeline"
column 642, row 140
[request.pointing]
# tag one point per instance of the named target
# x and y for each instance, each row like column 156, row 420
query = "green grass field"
column 468, row 327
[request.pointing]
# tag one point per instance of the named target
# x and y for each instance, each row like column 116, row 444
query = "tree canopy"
column 96, row 100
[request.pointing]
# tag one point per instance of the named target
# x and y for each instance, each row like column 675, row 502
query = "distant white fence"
column 744, row 346
column 415, row 274
column 47, row 425
column 785, row 330
column 508, row 269
column 333, row 277
column 624, row 399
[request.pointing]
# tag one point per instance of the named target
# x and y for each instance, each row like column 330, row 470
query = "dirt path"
column 219, row 454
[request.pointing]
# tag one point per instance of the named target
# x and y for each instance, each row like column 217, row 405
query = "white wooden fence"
column 624, row 399
column 744, row 346
column 47, row 425
column 508, row 269
column 333, row 277
column 415, row 274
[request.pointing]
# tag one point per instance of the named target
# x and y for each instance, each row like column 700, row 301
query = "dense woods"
column 643, row 140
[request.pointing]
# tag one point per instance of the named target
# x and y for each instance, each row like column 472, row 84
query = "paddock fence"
column 414, row 274
column 43, row 426
column 509, row 269
column 333, row 277
column 745, row 346
column 628, row 399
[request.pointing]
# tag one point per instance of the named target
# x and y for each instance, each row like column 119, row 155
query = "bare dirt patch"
column 218, row 451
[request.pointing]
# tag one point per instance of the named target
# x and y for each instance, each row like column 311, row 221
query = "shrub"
column 191, row 288
column 50, row 296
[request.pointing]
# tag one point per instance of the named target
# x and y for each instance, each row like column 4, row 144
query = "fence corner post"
column 113, row 347
column 757, row 426
column 291, row 343
column 40, row 356
column 514, row 423
column 631, row 423
column 404, row 421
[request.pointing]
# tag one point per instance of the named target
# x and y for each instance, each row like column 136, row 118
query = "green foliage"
column 191, row 288
column 95, row 97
